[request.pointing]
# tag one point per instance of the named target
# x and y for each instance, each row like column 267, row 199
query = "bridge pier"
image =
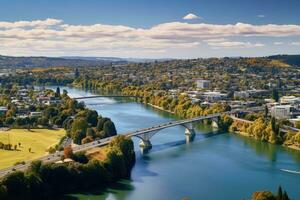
column 189, row 132
column 145, row 144
column 215, row 122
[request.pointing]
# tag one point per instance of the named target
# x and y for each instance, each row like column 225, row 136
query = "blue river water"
column 215, row 166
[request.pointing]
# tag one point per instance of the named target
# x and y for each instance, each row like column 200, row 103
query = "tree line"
column 49, row 180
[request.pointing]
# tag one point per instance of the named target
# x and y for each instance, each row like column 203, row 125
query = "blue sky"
column 138, row 17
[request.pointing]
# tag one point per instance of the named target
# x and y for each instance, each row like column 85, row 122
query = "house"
column 202, row 84
column 213, row 96
column 3, row 110
column 241, row 94
column 36, row 114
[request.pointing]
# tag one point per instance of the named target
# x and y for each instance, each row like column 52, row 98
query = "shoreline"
column 244, row 134
column 159, row 108
column 293, row 147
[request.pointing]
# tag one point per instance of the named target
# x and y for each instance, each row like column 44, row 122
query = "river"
column 215, row 166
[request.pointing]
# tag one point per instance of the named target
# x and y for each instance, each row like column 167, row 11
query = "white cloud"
column 223, row 43
column 190, row 16
column 54, row 37
column 295, row 43
column 35, row 23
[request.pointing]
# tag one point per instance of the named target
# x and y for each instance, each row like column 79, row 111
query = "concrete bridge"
column 146, row 134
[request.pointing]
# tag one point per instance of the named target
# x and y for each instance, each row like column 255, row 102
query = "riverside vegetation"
column 46, row 181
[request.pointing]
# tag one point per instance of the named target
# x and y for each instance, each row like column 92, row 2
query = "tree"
column 92, row 117
column 275, row 95
column 65, row 92
column 279, row 193
column 16, row 185
column 77, row 74
column 264, row 195
column 68, row 152
column 109, row 129
column 101, row 122
column 78, row 130
column 275, row 126
column 266, row 112
column 91, row 133
column 79, row 124
column 57, row 93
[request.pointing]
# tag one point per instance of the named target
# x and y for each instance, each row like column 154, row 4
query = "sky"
column 149, row 28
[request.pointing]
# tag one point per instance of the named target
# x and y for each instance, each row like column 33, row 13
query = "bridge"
column 100, row 96
column 144, row 134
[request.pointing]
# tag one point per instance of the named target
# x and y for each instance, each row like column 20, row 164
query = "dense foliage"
column 44, row 181
column 267, row 195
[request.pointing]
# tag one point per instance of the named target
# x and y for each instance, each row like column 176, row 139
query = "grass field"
column 39, row 140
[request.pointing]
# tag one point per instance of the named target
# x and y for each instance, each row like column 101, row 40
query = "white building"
column 292, row 100
column 213, row 96
column 281, row 111
column 203, row 84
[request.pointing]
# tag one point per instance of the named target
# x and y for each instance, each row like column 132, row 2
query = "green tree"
column 275, row 95
column 78, row 130
column 109, row 128
column 57, row 93
column 101, row 122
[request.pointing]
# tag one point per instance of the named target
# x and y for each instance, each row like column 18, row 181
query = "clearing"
column 39, row 140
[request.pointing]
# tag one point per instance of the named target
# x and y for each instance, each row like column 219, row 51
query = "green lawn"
column 39, row 140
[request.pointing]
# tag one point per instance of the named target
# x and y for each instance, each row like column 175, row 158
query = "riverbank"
column 201, row 160
column 245, row 134
column 50, row 180
column 293, row 147
column 160, row 108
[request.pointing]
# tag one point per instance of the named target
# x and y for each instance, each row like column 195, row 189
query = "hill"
column 289, row 59
column 20, row 62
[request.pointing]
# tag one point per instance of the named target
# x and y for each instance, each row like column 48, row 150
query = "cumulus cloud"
column 223, row 43
column 35, row 23
column 190, row 16
column 55, row 37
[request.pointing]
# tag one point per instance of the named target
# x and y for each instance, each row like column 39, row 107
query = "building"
column 3, row 110
column 281, row 111
column 213, row 96
column 36, row 114
column 241, row 94
column 292, row 100
column 203, row 84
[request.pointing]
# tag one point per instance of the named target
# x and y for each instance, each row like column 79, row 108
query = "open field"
column 37, row 139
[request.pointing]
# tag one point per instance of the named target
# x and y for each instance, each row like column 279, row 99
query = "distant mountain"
column 110, row 59
column 289, row 59
column 20, row 62
column 116, row 59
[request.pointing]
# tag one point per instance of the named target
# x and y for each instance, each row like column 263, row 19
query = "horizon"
column 151, row 30
column 141, row 58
